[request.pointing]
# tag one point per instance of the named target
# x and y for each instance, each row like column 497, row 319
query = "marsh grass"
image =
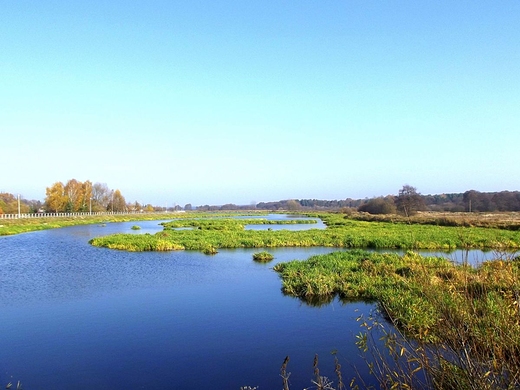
column 498, row 220
column 341, row 233
column 263, row 257
column 454, row 326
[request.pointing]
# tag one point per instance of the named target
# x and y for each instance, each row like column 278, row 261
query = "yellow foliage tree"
column 56, row 198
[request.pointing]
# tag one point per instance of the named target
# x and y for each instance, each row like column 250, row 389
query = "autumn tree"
column 409, row 201
column 293, row 205
column 118, row 201
column 73, row 192
column 86, row 196
column 77, row 196
column 9, row 204
column 56, row 198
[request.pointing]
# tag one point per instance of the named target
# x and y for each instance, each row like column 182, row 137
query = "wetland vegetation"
column 455, row 326
column 341, row 232
column 263, row 257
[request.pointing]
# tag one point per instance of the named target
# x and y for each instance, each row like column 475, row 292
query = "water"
column 77, row 317
column 80, row 317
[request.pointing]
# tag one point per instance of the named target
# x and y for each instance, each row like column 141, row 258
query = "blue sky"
column 212, row 102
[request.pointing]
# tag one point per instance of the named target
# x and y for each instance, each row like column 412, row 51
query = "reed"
column 454, row 326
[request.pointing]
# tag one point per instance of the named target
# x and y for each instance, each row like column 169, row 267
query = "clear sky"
column 235, row 101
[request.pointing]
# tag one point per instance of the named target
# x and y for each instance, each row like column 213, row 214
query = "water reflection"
column 77, row 316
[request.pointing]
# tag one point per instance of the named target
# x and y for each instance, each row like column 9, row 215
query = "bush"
column 378, row 206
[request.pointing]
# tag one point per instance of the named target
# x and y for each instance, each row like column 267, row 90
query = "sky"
column 233, row 101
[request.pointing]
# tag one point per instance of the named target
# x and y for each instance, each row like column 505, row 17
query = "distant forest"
column 472, row 201
column 469, row 201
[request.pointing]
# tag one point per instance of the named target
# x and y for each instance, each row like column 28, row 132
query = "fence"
column 54, row 215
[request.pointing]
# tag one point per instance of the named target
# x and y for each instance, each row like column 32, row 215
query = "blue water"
column 79, row 317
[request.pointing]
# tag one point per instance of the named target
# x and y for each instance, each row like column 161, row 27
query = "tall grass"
column 456, row 327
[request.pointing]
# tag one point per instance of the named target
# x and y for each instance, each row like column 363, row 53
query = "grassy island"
column 341, row 232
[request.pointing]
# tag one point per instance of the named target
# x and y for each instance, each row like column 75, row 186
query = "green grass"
column 24, row 225
column 340, row 232
column 263, row 257
column 464, row 321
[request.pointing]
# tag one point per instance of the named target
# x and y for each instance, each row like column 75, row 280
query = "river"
column 80, row 317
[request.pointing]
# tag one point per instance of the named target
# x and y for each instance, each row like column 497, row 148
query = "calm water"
column 79, row 317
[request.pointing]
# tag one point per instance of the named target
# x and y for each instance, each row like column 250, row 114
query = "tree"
column 409, row 201
column 379, row 206
column 188, row 207
column 9, row 204
column 101, row 197
column 293, row 205
column 118, row 201
column 56, row 197
column 86, row 196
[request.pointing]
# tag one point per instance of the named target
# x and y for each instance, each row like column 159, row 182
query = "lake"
column 80, row 317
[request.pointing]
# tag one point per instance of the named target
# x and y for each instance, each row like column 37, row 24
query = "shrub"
column 263, row 257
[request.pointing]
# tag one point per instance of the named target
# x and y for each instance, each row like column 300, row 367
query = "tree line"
column 70, row 197
column 77, row 196
column 409, row 201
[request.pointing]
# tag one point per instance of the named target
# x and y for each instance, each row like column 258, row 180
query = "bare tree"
column 409, row 201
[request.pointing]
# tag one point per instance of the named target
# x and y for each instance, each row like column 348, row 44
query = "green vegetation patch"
column 340, row 232
column 458, row 325
column 420, row 294
column 230, row 223
column 263, row 257
column 140, row 243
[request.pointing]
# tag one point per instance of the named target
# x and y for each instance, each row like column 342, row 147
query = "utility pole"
column 19, row 216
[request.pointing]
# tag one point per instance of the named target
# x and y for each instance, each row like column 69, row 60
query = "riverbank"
column 24, row 225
